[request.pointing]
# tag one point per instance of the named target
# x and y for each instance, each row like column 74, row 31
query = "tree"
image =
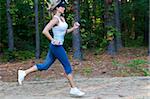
column 42, row 15
column 76, row 33
column 109, row 23
column 10, row 28
column 0, row 29
column 149, row 35
column 37, row 53
column 146, row 23
column 117, row 24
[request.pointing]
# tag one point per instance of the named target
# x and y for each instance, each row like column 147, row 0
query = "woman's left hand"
column 76, row 25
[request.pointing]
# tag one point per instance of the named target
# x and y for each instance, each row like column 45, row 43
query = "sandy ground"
column 95, row 88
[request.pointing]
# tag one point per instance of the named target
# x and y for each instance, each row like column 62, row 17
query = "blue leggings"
column 56, row 51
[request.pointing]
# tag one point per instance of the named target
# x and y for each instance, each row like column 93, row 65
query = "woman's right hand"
column 55, row 42
column 76, row 25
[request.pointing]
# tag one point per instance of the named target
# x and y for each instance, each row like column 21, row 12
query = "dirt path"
column 95, row 88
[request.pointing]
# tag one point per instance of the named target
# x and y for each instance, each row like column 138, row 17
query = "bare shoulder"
column 54, row 21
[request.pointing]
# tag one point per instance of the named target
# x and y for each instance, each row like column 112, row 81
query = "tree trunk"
column 0, row 30
column 37, row 53
column 111, row 48
column 145, row 40
column 10, row 28
column 109, row 21
column 149, row 36
column 43, row 14
column 76, row 33
column 117, row 24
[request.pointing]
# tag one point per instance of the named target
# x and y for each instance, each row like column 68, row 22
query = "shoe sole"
column 73, row 95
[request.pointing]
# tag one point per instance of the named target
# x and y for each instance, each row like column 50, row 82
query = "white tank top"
column 59, row 31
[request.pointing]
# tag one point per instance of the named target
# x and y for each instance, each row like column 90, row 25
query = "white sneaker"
column 21, row 75
column 76, row 92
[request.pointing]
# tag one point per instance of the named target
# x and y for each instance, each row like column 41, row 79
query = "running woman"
column 56, row 49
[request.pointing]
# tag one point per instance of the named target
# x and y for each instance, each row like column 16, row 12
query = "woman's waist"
column 59, row 39
column 54, row 45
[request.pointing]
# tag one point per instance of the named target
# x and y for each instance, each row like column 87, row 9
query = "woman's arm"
column 70, row 30
column 75, row 26
column 49, row 27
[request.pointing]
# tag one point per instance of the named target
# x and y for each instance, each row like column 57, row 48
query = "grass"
column 133, row 67
column 87, row 71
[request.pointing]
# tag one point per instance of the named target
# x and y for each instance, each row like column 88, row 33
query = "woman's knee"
column 42, row 67
column 68, row 70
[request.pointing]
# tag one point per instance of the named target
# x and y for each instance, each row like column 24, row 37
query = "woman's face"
column 61, row 9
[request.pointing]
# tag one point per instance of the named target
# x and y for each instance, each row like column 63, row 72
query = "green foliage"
column 3, row 25
column 112, row 31
column 17, row 55
column 137, row 65
column 68, row 42
column 133, row 23
column 135, row 43
column 134, row 63
column 102, row 46
column 87, row 71
column 92, row 30
column 116, row 63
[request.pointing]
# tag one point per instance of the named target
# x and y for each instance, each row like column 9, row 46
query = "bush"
column 16, row 56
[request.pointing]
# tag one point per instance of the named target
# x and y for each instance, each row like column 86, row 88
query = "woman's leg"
column 50, row 58
column 23, row 73
column 71, row 82
column 61, row 55
column 32, row 69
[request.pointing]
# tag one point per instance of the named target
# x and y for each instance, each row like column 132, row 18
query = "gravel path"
column 95, row 88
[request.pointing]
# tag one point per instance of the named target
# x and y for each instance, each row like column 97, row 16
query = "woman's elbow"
column 44, row 32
